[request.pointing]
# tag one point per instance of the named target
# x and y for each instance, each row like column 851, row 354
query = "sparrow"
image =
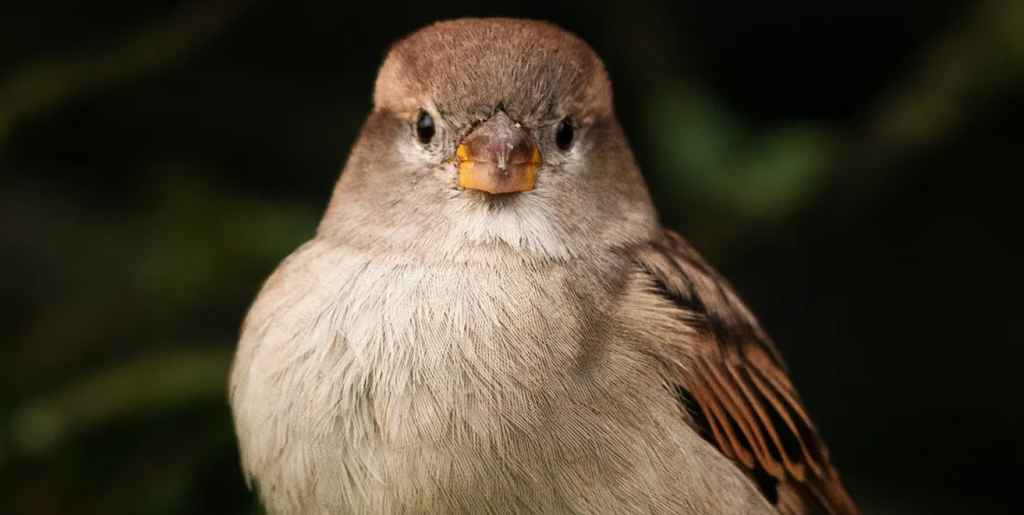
column 490, row 318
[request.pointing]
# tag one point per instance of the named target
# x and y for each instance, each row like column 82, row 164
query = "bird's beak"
column 498, row 156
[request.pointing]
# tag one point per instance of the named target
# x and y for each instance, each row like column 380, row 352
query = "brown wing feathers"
column 748, row 407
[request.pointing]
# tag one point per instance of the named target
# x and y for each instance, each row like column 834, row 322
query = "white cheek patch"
column 412, row 155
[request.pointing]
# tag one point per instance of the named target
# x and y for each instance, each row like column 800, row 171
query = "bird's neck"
column 465, row 323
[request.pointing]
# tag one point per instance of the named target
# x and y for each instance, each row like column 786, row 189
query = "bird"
column 490, row 317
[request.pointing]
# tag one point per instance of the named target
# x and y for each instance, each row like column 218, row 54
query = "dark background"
column 848, row 165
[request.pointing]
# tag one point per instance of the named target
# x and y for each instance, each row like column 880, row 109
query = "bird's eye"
column 564, row 134
column 425, row 127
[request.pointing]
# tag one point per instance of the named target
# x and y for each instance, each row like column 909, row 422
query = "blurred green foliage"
column 756, row 175
column 129, row 273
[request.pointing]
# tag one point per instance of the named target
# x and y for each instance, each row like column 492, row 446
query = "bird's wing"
column 737, row 389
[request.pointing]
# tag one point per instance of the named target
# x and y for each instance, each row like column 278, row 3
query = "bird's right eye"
column 564, row 134
column 424, row 127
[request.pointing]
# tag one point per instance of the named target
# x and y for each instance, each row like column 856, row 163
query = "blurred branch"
column 148, row 384
column 964, row 70
column 959, row 76
column 45, row 84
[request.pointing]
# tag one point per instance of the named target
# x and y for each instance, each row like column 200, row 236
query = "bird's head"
column 491, row 132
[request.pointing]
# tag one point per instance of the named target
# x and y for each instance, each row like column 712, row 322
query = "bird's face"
column 491, row 132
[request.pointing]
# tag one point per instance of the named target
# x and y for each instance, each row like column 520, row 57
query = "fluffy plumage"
column 440, row 350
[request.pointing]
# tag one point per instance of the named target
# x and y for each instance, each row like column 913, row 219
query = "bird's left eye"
column 425, row 127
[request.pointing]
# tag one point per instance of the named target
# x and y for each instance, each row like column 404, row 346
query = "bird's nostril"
column 502, row 160
column 521, row 152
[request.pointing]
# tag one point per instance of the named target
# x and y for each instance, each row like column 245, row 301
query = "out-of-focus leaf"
column 713, row 154
column 199, row 246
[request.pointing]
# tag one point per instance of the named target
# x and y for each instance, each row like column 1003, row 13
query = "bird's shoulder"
column 730, row 378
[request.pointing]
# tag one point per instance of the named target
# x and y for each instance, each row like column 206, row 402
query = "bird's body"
column 439, row 349
column 444, row 391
